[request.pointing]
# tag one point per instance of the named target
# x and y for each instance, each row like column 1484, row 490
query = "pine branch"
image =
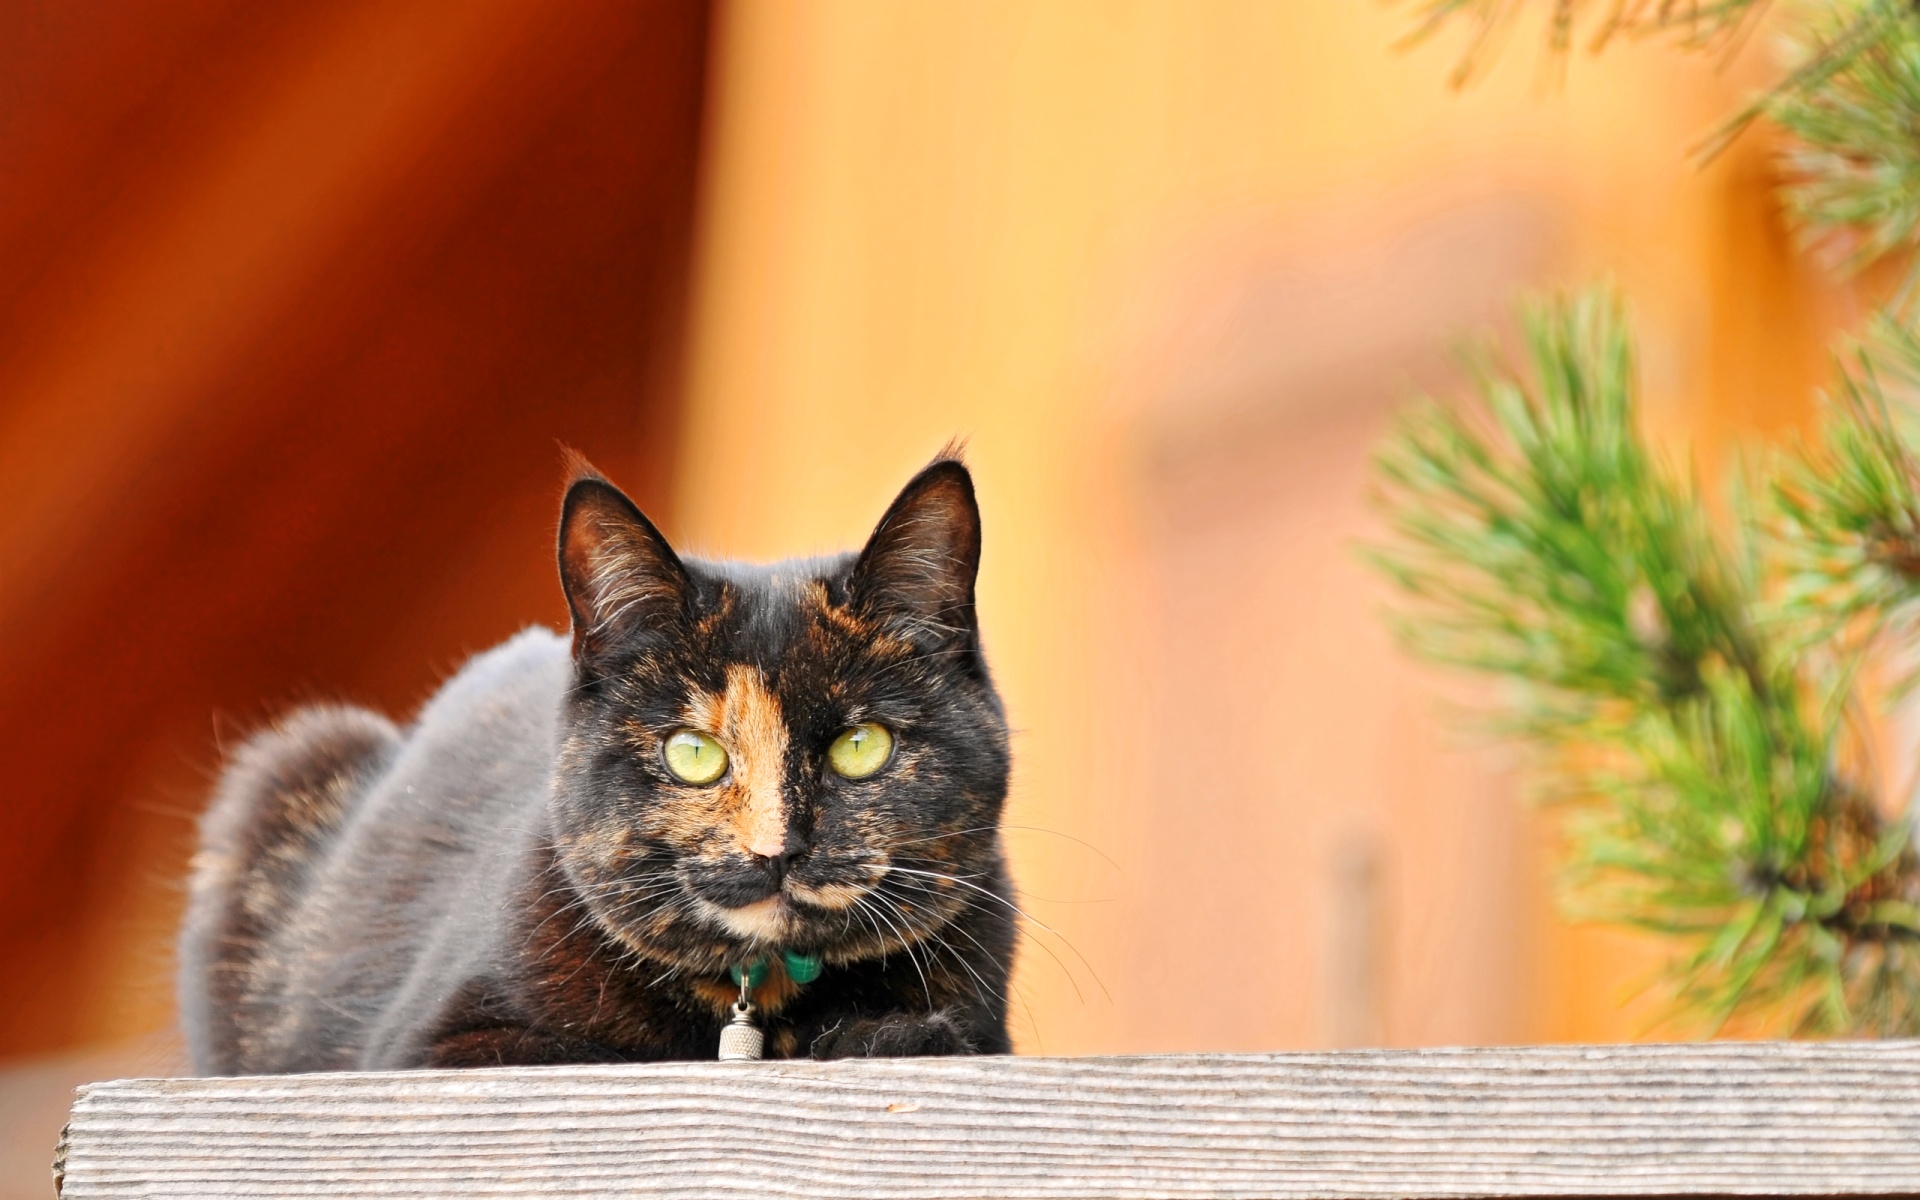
column 1846, row 521
column 1710, row 749
column 1854, row 163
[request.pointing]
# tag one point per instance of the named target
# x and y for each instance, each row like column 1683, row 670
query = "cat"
column 576, row 849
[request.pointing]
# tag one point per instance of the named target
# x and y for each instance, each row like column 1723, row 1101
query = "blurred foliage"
column 1846, row 529
column 1851, row 109
column 1849, row 100
column 1695, row 695
column 1699, row 24
column 1705, row 699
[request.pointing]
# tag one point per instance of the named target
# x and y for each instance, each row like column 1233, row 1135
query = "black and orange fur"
column 517, row 878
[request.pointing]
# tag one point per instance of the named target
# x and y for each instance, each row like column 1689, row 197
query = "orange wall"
column 1167, row 266
column 296, row 300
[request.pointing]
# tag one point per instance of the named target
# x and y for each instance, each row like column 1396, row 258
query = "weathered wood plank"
column 1754, row 1119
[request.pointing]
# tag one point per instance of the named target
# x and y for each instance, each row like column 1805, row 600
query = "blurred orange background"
column 297, row 299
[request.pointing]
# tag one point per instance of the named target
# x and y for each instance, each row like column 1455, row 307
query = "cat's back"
column 337, row 847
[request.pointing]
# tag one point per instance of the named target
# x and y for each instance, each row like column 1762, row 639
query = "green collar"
column 801, row 968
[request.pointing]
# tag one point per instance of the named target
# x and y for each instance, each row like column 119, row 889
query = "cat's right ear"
column 621, row 577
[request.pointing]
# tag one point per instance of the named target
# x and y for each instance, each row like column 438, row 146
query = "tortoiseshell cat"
column 799, row 765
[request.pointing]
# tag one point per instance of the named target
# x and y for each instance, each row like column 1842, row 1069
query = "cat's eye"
column 695, row 757
column 860, row 751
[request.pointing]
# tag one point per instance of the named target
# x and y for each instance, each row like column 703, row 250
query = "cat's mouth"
column 832, row 897
column 719, row 917
column 779, row 916
column 768, row 920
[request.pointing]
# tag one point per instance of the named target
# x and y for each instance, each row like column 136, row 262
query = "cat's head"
column 804, row 756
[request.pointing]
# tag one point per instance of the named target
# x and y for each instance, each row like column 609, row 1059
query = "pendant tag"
column 740, row 1039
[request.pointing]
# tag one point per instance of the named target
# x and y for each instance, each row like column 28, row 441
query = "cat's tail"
column 283, row 796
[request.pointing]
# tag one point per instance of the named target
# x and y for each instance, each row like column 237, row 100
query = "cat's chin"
column 770, row 920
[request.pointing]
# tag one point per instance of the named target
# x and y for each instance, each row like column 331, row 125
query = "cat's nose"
column 776, row 857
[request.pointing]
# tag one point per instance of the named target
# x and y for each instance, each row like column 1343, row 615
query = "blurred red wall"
column 296, row 302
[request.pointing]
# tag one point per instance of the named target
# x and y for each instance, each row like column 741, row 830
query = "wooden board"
column 1753, row 1119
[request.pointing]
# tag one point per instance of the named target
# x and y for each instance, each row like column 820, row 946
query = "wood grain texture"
column 1750, row 1119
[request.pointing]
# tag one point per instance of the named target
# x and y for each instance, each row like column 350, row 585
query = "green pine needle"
column 1845, row 528
column 1853, row 162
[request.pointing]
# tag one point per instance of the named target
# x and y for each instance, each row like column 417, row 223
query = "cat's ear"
column 917, row 571
column 620, row 575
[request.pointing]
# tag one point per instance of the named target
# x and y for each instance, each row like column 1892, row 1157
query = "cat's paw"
column 902, row 1035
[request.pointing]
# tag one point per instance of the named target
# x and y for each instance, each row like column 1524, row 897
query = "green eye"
column 860, row 751
column 695, row 757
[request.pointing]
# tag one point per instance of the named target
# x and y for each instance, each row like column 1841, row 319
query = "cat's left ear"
column 917, row 571
column 621, row 577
